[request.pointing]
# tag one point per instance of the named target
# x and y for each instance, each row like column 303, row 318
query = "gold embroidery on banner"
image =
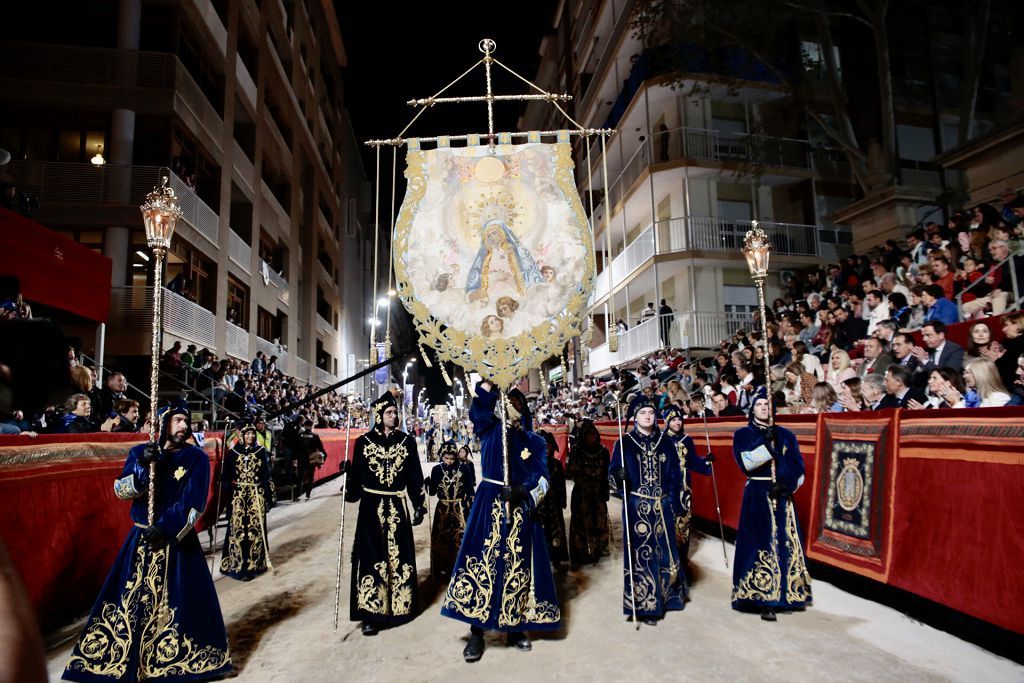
column 798, row 580
column 470, row 590
column 385, row 463
column 764, row 580
column 392, row 593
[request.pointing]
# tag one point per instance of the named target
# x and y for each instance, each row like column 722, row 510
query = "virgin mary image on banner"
column 492, row 244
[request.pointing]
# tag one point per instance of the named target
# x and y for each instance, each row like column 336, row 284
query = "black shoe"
column 370, row 629
column 519, row 641
column 474, row 648
column 768, row 615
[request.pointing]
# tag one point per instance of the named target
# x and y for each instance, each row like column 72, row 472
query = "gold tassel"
column 426, row 357
column 613, row 338
column 387, row 344
column 444, row 373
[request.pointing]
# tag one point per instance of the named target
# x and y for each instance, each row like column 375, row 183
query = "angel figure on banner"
column 502, row 262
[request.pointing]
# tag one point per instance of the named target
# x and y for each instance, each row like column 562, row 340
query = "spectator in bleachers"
column 875, row 360
column 799, row 385
column 872, row 389
column 117, row 384
column 823, row 400
column 903, row 354
column 78, row 419
column 877, row 309
column 839, row 369
column 850, row 397
column 993, row 293
column 721, row 407
column 984, row 388
column 979, row 338
column 126, row 420
column 937, row 306
column 258, row 365
column 898, row 388
column 1004, row 354
column 938, row 352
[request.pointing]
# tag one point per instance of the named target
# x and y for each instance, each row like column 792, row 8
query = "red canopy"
column 53, row 269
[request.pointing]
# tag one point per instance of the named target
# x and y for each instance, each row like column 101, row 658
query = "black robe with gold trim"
column 246, row 550
column 385, row 475
column 453, row 493
column 157, row 617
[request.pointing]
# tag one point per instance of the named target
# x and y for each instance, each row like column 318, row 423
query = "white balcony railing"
column 324, row 378
column 237, row 342
column 300, row 369
column 270, row 202
column 701, row 329
column 717, row 234
column 195, row 211
column 323, row 326
column 636, row 342
column 239, row 251
column 280, row 283
column 132, row 308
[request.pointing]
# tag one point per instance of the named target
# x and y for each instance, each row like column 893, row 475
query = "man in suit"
column 874, row 360
column 872, row 388
column 903, row 352
column 939, row 353
column 898, row 392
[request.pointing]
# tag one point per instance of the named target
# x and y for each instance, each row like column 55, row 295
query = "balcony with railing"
column 324, row 378
column 40, row 63
column 699, row 146
column 323, row 326
column 239, row 250
column 132, row 308
column 237, row 342
column 113, row 185
column 699, row 233
column 634, row 343
column 280, row 283
column 270, row 202
column 300, row 369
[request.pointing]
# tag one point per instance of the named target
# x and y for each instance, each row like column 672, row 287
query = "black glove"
column 343, row 467
column 619, row 475
column 417, row 518
column 154, row 538
column 779, row 490
column 514, row 494
column 709, row 458
column 151, row 453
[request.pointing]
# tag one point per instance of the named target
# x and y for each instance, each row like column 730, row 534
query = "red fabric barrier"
column 62, row 523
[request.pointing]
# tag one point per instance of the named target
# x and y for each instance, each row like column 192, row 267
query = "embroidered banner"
column 493, row 255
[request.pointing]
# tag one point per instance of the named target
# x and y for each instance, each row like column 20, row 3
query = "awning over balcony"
column 53, row 269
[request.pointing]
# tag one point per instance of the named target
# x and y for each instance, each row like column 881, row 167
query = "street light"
column 756, row 249
column 405, row 382
column 160, row 214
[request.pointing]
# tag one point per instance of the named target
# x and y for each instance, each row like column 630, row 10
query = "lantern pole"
column 160, row 213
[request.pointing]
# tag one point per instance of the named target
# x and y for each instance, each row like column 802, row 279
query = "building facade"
column 699, row 153
column 240, row 104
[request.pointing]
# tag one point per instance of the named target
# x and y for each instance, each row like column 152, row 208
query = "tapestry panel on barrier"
column 851, row 520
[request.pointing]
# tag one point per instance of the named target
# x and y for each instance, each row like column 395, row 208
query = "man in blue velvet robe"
column 502, row 578
column 157, row 616
column 385, row 472
column 769, row 570
column 645, row 464
column 689, row 462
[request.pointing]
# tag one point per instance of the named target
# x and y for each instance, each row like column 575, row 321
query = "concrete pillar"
column 116, row 244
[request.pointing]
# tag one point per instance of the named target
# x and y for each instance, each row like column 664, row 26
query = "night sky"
column 398, row 52
column 401, row 52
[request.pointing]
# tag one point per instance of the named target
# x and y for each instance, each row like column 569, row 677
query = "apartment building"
column 697, row 155
column 240, row 104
